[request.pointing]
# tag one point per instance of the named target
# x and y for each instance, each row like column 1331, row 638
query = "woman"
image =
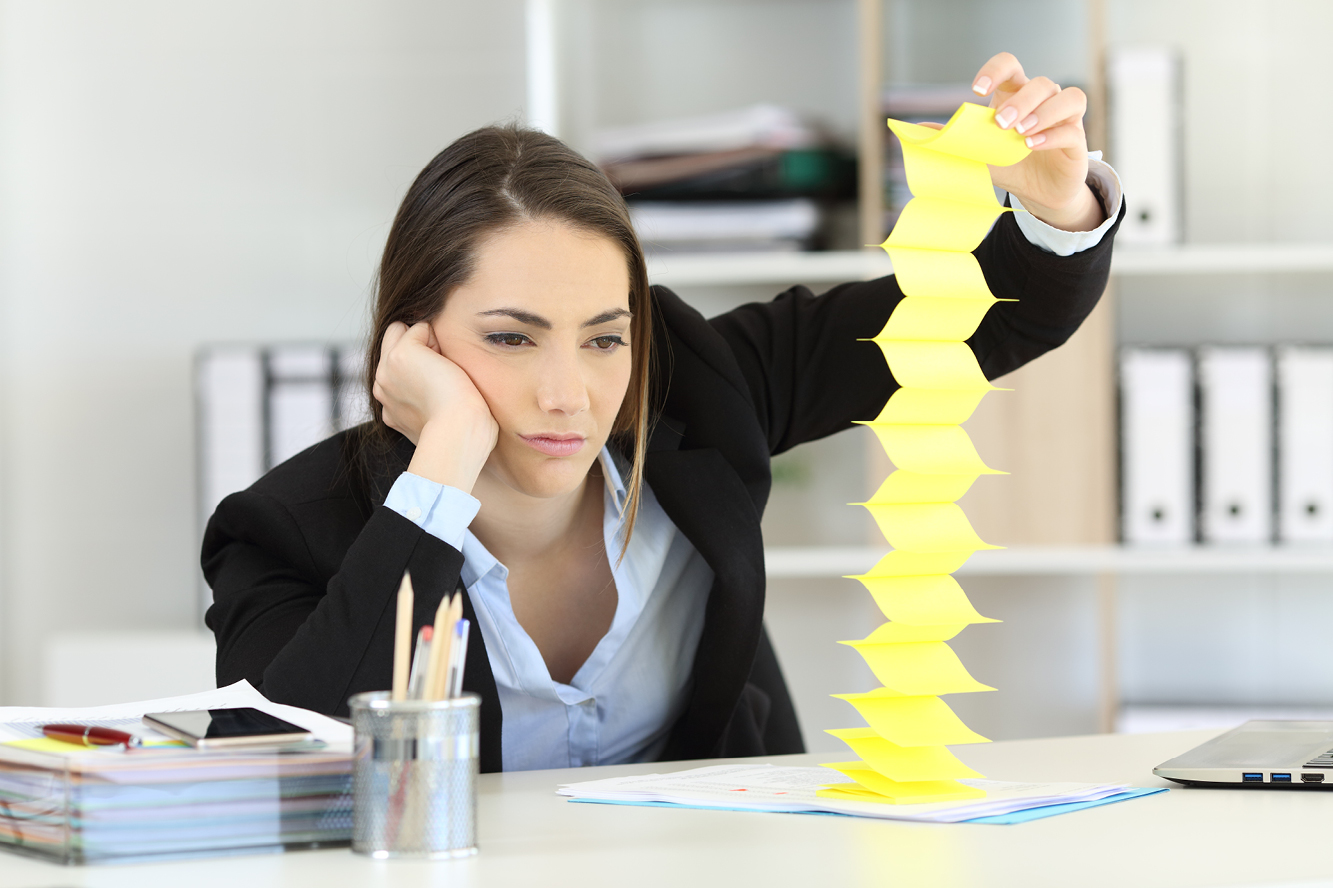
column 587, row 458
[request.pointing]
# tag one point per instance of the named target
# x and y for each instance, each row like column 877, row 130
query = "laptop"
column 1268, row 754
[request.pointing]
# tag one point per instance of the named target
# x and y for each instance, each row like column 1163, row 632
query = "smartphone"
column 228, row 728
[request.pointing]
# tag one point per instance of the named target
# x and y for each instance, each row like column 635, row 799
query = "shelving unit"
column 795, row 562
column 1056, row 430
column 726, row 269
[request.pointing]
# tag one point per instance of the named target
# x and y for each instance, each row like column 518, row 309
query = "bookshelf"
column 794, row 562
column 745, row 269
column 1056, row 432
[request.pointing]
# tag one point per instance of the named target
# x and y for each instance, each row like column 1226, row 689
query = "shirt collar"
column 615, row 485
column 478, row 560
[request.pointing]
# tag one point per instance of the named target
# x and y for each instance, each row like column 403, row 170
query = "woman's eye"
column 509, row 340
column 607, row 343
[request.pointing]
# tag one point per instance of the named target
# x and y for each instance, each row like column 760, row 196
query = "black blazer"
column 305, row 564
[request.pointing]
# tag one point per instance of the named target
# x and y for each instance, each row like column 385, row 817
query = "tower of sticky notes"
column 903, row 754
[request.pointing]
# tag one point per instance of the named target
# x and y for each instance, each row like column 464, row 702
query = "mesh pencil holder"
column 414, row 779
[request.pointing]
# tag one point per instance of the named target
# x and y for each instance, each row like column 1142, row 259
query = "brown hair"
column 486, row 181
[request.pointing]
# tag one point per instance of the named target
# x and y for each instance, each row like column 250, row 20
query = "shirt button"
column 413, row 513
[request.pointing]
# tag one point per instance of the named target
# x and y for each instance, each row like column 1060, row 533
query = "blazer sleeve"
column 300, row 635
column 810, row 375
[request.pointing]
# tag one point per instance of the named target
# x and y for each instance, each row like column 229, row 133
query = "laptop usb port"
column 1253, row 778
column 1312, row 778
column 1280, row 778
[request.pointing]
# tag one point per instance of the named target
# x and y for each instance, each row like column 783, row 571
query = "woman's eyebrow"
column 608, row 316
column 523, row 317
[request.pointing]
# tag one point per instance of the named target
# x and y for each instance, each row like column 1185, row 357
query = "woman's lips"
column 555, row 445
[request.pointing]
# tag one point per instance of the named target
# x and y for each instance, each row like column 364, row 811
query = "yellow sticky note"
column 935, row 174
column 931, row 449
column 935, row 318
column 970, row 134
column 916, row 564
column 903, row 633
column 899, row 793
column 916, row 669
column 933, row 365
column 931, row 223
column 927, row 600
column 939, row 273
column 930, row 406
column 911, row 721
column 926, row 527
column 912, row 487
column 902, row 763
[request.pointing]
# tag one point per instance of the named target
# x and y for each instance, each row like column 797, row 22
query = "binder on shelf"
column 1236, row 444
column 229, row 386
column 260, row 405
column 1305, row 443
column 353, row 409
column 1157, row 446
column 300, row 398
column 1144, row 112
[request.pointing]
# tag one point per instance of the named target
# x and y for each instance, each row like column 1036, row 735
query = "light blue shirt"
column 621, row 704
column 623, row 701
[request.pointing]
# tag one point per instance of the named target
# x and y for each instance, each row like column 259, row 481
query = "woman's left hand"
column 1052, row 180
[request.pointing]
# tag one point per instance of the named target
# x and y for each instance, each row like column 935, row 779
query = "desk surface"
column 529, row 835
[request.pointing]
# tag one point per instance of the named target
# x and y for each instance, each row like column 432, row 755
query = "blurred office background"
column 186, row 180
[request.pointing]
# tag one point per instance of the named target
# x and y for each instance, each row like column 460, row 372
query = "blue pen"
column 457, row 658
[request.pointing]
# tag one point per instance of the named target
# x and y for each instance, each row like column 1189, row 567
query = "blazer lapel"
column 381, row 472
column 709, row 503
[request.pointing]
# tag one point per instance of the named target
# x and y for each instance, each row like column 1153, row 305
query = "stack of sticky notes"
column 903, row 754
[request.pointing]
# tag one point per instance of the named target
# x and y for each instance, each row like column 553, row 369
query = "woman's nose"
column 561, row 388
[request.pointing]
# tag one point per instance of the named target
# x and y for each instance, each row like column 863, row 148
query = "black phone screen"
column 217, row 724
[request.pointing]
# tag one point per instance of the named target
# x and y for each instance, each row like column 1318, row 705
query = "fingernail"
column 982, row 86
column 1034, row 141
column 1026, row 123
column 1006, row 117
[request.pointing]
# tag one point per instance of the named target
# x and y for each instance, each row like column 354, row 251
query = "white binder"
column 230, row 390
column 300, row 399
column 353, row 406
column 1157, row 445
column 1305, row 444
column 1236, row 444
column 1143, row 91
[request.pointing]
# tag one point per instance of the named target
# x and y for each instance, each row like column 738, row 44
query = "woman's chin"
column 545, row 478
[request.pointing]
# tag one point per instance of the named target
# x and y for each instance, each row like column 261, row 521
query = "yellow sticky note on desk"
column 911, row 721
column 915, row 792
column 902, row 763
column 903, row 759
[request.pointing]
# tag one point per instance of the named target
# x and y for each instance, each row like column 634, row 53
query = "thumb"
column 420, row 333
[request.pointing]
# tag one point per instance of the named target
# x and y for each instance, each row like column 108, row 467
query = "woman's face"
column 542, row 328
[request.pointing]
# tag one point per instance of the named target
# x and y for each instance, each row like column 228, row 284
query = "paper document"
column 23, row 723
column 794, row 791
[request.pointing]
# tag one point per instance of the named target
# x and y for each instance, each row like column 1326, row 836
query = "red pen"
column 90, row 735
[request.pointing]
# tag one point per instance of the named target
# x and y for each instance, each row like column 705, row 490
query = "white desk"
column 530, row 836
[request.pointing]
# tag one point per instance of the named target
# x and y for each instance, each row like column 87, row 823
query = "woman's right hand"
column 434, row 403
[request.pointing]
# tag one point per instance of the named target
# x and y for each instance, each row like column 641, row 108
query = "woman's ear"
column 431, row 342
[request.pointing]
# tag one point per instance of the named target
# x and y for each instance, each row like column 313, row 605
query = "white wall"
column 175, row 173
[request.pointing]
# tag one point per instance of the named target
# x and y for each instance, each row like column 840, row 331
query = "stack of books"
column 756, row 179
column 71, row 805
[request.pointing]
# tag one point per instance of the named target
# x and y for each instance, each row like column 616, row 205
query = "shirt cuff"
column 1105, row 184
column 443, row 512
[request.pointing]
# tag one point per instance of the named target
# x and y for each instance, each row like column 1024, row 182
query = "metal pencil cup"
column 414, row 779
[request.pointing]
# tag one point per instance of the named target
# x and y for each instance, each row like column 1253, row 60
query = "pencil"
column 441, row 687
column 402, row 638
column 439, row 650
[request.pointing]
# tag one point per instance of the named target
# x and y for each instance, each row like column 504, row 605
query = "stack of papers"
column 73, row 805
column 793, row 791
